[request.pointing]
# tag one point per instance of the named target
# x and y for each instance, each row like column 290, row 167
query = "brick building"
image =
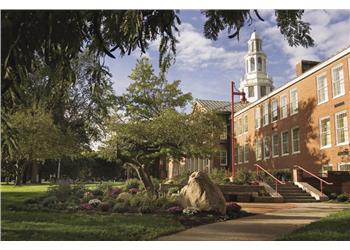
column 303, row 122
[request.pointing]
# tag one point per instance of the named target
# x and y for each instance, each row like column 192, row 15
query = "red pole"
column 232, row 129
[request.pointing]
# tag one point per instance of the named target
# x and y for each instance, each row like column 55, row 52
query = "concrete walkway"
column 271, row 222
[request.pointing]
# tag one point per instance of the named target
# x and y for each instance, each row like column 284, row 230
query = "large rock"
column 200, row 192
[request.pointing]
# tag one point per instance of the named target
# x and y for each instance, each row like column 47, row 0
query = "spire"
column 256, row 82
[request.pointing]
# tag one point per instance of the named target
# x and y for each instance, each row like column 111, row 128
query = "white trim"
column 223, row 151
column 292, row 134
column 244, row 124
column 256, row 146
column 282, row 154
column 342, row 163
column 255, row 116
column 297, row 79
column 336, row 130
column 264, row 139
column 272, row 145
column 324, row 74
column 320, row 129
column 286, row 105
column 340, row 65
column 264, row 113
column 272, row 101
column 292, row 112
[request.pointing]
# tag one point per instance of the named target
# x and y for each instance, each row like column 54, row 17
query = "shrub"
column 175, row 210
column 342, row 197
column 120, row 208
column 132, row 183
column 124, row 198
column 282, row 174
column 105, row 186
column 61, row 191
column 165, row 202
column 173, row 190
column 190, row 211
column 113, row 193
column 243, row 176
column 30, row 201
column 95, row 202
column 333, row 196
column 232, row 209
column 155, row 182
column 133, row 190
column 49, row 201
column 97, row 192
column 78, row 190
column 85, row 206
column 104, row 206
column 146, row 209
column 219, row 176
column 181, row 179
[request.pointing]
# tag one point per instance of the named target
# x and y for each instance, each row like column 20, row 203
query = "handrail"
column 313, row 175
column 273, row 177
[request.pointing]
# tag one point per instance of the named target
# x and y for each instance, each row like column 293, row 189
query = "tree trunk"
column 145, row 178
column 35, row 172
column 59, row 169
column 19, row 174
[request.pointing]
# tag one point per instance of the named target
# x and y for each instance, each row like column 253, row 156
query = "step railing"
column 277, row 181
column 318, row 178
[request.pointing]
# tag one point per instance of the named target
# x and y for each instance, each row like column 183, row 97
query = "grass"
column 38, row 225
column 334, row 227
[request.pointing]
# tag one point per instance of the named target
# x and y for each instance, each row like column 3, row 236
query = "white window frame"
column 245, row 124
column 257, row 118
column 325, row 88
column 274, row 155
column 330, row 134
column 240, row 126
column 346, row 132
column 258, row 143
column 266, row 113
column 240, row 158
column 342, row 163
column 274, row 110
column 223, row 135
column 282, row 116
column 246, row 150
column 264, row 141
column 282, row 151
column 342, row 82
column 292, row 140
column 220, row 157
column 292, row 111
column 249, row 91
column 323, row 171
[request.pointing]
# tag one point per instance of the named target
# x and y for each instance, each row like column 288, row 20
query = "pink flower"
column 133, row 190
column 114, row 192
column 85, row 206
column 175, row 210
column 232, row 206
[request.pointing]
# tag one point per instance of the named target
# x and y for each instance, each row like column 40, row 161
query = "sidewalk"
column 271, row 222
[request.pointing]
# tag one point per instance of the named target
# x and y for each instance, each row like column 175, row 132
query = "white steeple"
column 256, row 83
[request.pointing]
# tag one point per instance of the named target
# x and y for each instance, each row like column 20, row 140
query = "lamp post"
column 233, row 94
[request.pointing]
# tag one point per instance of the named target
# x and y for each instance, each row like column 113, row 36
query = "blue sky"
column 206, row 67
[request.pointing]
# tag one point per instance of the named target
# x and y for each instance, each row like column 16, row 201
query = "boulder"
column 201, row 193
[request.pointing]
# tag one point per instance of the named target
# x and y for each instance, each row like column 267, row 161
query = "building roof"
column 220, row 106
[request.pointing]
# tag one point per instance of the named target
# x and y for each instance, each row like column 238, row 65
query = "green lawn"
column 333, row 227
column 32, row 225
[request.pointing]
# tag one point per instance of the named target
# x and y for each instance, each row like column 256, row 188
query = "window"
column 322, row 89
column 251, row 91
column 240, row 128
column 236, row 155
column 275, row 145
column 344, row 166
column 252, row 64
column 341, row 128
column 257, row 117
column 246, row 152
column 262, row 91
column 266, row 114
column 258, row 151
column 223, row 135
column 235, row 128
column 274, row 110
column 338, row 81
column 293, row 101
column 326, row 168
column 259, row 64
column 284, row 109
column 245, row 124
column 295, row 140
column 223, row 158
column 266, row 147
column 240, row 154
column 285, row 143
column 325, row 132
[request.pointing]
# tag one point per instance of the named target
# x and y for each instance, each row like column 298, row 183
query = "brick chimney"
column 304, row 65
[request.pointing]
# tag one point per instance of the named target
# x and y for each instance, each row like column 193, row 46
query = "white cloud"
column 195, row 51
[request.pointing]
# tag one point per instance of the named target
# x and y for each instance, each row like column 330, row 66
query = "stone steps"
column 292, row 193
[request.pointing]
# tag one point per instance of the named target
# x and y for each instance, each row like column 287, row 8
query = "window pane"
column 342, row 128
column 285, row 146
column 266, row 147
column 338, row 81
column 322, row 89
column 295, row 140
column 325, row 132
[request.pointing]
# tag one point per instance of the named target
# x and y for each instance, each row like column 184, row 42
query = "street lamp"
column 234, row 92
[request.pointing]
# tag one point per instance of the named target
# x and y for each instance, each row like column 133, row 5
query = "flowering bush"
column 94, row 202
column 104, row 206
column 133, row 190
column 88, row 195
column 175, row 210
column 85, row 206
column 113, row 193
column 190, row 211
